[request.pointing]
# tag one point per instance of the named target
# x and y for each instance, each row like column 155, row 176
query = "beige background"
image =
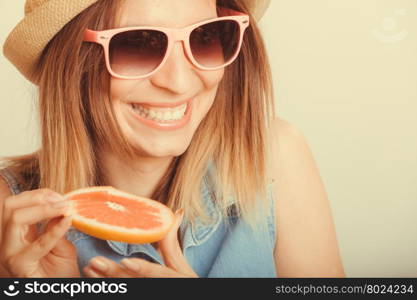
column 345, row 73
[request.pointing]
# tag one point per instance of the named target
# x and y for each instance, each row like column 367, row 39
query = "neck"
column 140, row 177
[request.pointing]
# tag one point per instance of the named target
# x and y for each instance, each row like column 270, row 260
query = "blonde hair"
column 77, row 118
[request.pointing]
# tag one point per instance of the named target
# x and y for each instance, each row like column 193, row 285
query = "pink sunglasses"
column 139, row 52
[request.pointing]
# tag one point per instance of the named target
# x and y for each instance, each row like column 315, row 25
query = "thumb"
column 171, row 250
column 63, row 248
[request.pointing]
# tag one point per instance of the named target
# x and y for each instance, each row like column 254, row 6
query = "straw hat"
column 44, row 18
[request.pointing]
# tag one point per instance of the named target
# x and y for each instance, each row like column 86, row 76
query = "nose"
column 177, row 74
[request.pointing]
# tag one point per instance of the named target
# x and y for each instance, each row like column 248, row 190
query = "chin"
column 162, row 151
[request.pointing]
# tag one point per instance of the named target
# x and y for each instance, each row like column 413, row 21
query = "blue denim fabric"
column 218, row 249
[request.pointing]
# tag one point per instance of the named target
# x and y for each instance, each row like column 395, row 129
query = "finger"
column 34, row 214
column 107, row 268
column 144, row 268
column 171, row 249
column 22, row 218
column 64, row 247
column 29, row 198
column 47, row 241
column 90, row 272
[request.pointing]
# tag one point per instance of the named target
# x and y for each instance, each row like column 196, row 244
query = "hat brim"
column 28, row 39
column 257, row 7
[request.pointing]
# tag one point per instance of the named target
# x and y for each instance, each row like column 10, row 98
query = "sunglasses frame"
column 174, row 35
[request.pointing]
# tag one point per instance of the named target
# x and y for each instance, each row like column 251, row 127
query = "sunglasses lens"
column 215, row 44
column 137, row 52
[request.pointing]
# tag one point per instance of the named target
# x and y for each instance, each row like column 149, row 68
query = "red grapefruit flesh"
column 110, row 214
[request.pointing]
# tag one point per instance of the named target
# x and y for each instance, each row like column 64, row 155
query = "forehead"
column 166, row 13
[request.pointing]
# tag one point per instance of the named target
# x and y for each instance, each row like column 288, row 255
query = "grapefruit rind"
column 118, row 233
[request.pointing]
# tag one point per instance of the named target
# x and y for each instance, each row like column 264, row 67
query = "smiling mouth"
column 160, row 114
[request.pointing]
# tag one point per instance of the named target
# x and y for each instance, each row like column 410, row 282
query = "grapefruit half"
column 110, row 214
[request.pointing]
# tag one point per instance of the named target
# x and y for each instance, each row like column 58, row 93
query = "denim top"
column 217, row 249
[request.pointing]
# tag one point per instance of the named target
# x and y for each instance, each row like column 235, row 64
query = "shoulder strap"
column 11, row 181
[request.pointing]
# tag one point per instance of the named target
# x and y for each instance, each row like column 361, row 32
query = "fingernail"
column 180, row 212
column 65, row 203
column 66, row 220
column 91, row 272
column 68, row 212
column 99, row 264
column 130, row 264
column 55, row 198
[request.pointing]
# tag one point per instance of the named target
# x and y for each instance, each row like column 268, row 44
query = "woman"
column 253, row 203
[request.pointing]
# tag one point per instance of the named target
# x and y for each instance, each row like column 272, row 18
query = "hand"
column 26, row 253
column 175, row 263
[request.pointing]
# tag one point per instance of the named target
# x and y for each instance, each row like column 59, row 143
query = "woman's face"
column 178, row 81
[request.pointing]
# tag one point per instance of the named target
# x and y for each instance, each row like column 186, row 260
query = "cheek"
column 117, row 89
column 120, row 89
column 211, row 79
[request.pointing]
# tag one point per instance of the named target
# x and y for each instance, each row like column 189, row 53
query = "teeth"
column 161, row 114
column 151, row 114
